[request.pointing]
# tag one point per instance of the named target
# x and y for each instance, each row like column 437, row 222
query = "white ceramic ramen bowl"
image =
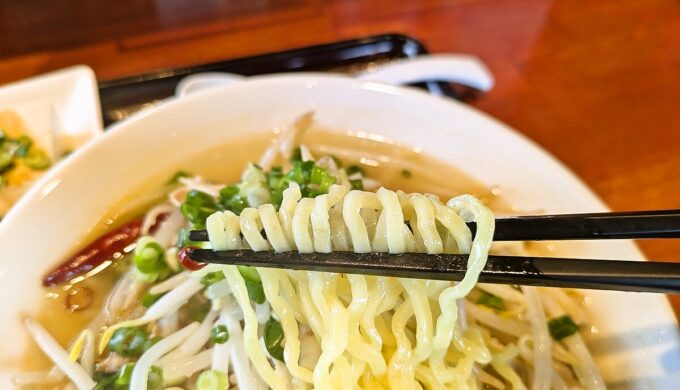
column 636, row 344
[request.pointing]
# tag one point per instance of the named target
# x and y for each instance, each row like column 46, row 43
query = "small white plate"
column 70, row 93
column 58, row 110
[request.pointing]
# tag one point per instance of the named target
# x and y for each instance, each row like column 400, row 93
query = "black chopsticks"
column 619, row 275
column 639, row 276
column 594, row 226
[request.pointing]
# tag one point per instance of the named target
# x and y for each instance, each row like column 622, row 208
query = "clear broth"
column 381, row 159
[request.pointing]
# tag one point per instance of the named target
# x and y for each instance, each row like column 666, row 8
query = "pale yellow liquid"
column 381, row 159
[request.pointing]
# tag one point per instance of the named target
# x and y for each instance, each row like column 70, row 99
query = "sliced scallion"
column 212, row 380
column 562, row 327
column 274, row 338
column 219, row 334
column 491, row 301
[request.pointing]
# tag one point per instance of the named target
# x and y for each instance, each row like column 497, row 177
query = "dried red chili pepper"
column 187, row 262
column 102, row 249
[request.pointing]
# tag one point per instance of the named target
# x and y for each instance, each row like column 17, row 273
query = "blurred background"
column 596, row 83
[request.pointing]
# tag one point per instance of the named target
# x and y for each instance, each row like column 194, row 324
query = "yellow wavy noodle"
column 250, row 338
column 370, row 311
column 285, row 313
column 357, row 346
column 404, row 331
column 421, row 308
column 309, row 309
column 501, row 363
column 401, row 368
column 335, row 335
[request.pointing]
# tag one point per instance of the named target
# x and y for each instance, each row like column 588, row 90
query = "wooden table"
column 597, row 84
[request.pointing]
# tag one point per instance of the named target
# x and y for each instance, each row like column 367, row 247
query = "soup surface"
column 506, row 341
column 395, row 166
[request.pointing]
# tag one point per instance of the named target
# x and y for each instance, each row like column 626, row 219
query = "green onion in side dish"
column 562, row 327
column 21, row 150
column 274, row 338
column 37, row 159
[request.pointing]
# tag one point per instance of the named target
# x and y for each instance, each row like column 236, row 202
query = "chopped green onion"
column 149, row 257
column 405, row 173
column 296, row 155
column 253, row 283
column 357, row 184
column 150, row 342
column 249, row 273
column 219, row 334
column 337, row 161
column 352, row 169
column 184, row 241
column 313, row 180
column 212, row 278
column 561, row 327
column 231, row 199
column 255, row 291
column 155, row 380
column 301, row 172
column 124, row 375
column 322, row 178
column 178, row 175
column 277, row 183
column 197, row 308
column 129, row 341
column 149, row 299
column 212, row 380
column 491, row 301
column 105, row 380
column 317, row 174
column 274, row 338
column 197, row 207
